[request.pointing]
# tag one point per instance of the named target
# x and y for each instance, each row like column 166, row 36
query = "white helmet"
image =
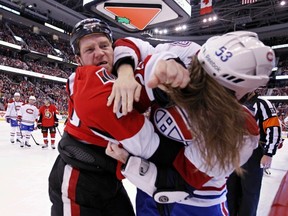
column 238, row 60
column 16, row 94
column 32, row 98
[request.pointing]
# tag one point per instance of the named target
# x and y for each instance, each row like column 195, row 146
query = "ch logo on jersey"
column 29, row 111
column 104, row 76
column 181, row 43
column 172, row 125
column 47, row 114
column 270, row 56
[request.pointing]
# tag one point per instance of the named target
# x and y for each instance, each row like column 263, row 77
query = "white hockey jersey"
column 210, row 185
column 12, row 109
column 139, row 49
column 28, row 114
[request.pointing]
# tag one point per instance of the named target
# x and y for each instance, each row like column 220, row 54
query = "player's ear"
column 78, row 60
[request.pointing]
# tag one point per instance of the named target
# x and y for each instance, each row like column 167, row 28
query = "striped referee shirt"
column 269, row 125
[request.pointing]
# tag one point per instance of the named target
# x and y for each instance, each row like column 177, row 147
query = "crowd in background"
column 9, row 84
column 42, row 43
column 14, row 60
column 45, row 44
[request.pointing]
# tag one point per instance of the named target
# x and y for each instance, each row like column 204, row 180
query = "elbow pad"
column 141, row 173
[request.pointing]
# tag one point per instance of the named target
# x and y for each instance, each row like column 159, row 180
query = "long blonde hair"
column 216, row 118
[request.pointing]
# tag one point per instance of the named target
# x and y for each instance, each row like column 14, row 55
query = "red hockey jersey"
column 92, row 121
column 48, row 115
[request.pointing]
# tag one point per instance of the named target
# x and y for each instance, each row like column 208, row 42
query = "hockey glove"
column 39, row 125
column 8, row 120
column 56, row 124
column 19, row 118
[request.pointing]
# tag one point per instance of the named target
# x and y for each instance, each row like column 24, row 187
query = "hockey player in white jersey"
column 11, row 117
column 201, row 167
column 133, row 51
column 27, row 116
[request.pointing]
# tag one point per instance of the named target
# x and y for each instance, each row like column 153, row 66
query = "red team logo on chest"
column 47, row 114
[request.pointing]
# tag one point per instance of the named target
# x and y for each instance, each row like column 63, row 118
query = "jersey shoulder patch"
column 171, row 123
column 104, row 76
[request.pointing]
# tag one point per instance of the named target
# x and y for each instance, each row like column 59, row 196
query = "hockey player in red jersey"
column 48, row 122
column 84, row 180
column 11, row 117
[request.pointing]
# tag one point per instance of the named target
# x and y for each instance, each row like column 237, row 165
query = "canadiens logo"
column 181, row 43
column 172, row 124
column 30, row 111
column 270, row 56
column 47, row 114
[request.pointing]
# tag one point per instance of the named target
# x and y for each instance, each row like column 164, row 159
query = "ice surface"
column 24, row 177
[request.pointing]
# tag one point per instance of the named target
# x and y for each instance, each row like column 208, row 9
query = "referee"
column 244, row 191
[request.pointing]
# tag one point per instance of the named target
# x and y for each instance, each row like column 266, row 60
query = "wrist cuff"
column 125, row 60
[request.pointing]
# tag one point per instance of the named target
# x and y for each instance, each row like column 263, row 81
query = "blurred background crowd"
column 36, row 46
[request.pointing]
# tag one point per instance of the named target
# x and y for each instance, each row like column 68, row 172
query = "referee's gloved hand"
column 39, row 125
column 56, row 124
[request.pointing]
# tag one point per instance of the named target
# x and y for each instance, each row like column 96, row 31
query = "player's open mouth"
column 102, row 63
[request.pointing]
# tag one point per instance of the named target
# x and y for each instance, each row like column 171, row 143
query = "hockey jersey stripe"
column 125, row 48
column 68, row 189
column 209, row 196
column 210, row 188
column 191, row 174
column 224, row 209
column 251, row 124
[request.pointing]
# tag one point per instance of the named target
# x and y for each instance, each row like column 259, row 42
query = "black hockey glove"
column 39, row 125
column 56, row 124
